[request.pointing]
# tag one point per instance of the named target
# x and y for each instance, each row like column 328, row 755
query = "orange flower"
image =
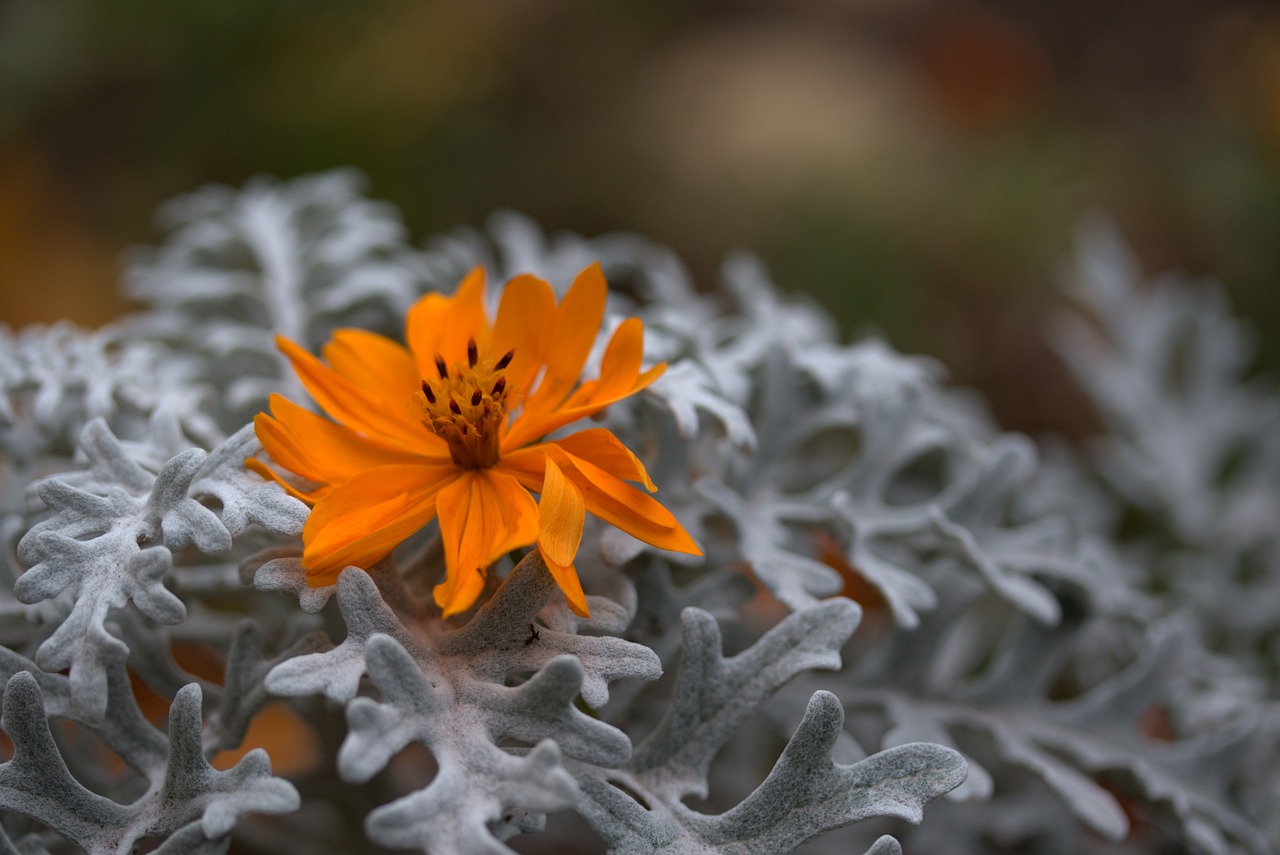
column 451, row 427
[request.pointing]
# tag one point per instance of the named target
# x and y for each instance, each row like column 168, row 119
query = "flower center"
column 467, row 406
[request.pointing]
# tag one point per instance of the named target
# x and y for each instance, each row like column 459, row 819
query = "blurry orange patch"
column 763, row 609
column 201, row 660
column 856, row 586
column 1155, row 723
column 86, row 743
column 50, row 266
column 284, row 734
column 1241, row 69
column 154, row 707
column 982, row 68
column 279, row 730
column 1135, row 811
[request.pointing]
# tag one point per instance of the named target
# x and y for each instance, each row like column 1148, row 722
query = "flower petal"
column 531, row 427
column 437, row 324
column 619, row 369
column 623, row 506
column 527, row 465
column 315, row 448
column 619, row 378
column 357, row 408
column 567, row 579
column 372, row 361
column 601, row 447
column 483, row 515
column 459, row 591
column 362, row 519
column 283, row 446
column 561, row 514
column 524, row 325
column 573, row 334
column 595, row 445
column 253, row 464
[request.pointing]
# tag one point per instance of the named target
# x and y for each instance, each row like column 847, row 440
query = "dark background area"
column 918, row 166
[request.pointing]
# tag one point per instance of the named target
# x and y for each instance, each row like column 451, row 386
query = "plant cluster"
column 900, row 614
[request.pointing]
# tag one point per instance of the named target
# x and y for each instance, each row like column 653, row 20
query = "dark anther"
column 499, row 386
column 441, row 367
column 454, row 408
column 505, row 360
column 426, row 390
column 475, row 397
column 473, row 356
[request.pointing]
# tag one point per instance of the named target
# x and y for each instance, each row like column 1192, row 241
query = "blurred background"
column 918, row 166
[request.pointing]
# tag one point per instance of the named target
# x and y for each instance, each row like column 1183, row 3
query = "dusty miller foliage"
column 1076, row 648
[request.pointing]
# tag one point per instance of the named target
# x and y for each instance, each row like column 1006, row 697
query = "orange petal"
column 372, row 361
column 533, row 426
column 605, row 450
column 527, row 465
column 253, row 464
column 443, row 325
column 576, row 324
column 561, row 513
column 361, row 409
column 424, row 330
column 619, row 368
column 595, row 445
column 283, row 447
column 567, row 578
column 319, row 450
column 483, row 515
column 525, row 318
column 623, row 506
column 361, row 520
column 459, row 591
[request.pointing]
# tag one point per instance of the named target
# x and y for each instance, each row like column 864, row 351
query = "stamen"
column 505, row 360
column 467, row 406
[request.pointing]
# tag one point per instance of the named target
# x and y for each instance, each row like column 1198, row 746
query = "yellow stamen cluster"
column 466, row 407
